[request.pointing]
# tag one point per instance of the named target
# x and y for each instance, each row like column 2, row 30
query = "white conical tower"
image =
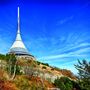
column 18, row 46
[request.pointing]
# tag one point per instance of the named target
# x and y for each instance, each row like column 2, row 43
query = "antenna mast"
column 18, row 20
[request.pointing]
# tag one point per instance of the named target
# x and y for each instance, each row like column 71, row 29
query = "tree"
column 12, row 66
column 84, row 74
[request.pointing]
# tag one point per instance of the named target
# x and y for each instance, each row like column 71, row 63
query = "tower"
column 18, row 47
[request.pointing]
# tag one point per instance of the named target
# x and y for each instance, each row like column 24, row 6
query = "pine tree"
column 84, row 74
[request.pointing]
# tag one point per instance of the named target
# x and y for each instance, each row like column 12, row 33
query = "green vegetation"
column 52, row 69
column 56, row 68
column 83, row 74
column 83, row 82
column 22, row 83
column 15, row 73
column 2, row 57
column 64, row 83
column 12, row 79
column 46, row 64
column 11, row 66
column 43, row 67
column 38, row 63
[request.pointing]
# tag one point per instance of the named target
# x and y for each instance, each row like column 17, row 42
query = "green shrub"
column 2, row 57
column 43, row 67
column 56, row 68
column 38, row 62
column 52, row 69
column 64, row 83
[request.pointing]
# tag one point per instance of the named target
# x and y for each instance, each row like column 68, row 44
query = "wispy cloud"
column 65, row 20
column 61, row 56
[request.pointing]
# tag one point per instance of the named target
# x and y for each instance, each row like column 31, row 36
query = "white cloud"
column 60, row 56
column 65, row 20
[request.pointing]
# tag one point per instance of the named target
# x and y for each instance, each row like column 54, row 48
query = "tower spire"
column 18, row 20
column 18, row 38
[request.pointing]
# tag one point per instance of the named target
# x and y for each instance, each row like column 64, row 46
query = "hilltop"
column 20, row 73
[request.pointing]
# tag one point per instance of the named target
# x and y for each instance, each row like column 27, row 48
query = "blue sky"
column 54, row 31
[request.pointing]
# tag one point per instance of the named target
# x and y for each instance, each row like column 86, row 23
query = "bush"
column 56, row 68
column 43, row 67
column 38, row 62
column 63, row 83
column 2, row 57
column 46, row 64
column 52, row 69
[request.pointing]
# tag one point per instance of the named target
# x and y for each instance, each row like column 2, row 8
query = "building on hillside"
column 18, row 48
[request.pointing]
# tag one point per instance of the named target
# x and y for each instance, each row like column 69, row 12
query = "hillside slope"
column 27, row 74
